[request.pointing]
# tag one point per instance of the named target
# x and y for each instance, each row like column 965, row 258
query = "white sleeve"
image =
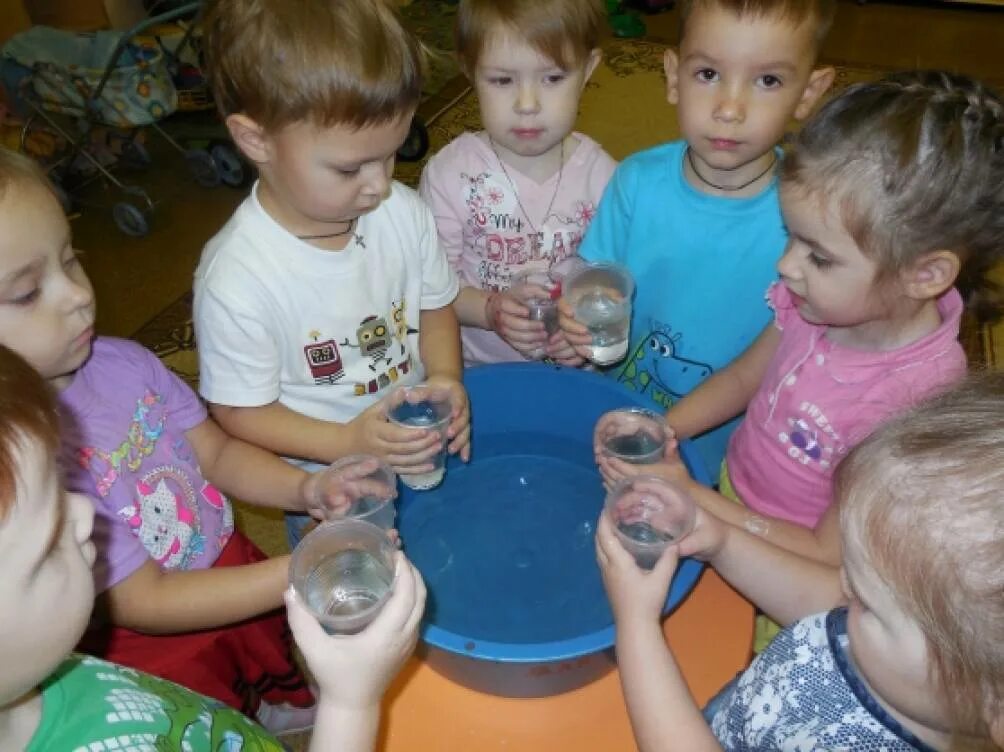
column 239, row 353
column 439, row 281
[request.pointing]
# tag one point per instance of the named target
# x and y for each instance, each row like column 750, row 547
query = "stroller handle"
column 128, row 36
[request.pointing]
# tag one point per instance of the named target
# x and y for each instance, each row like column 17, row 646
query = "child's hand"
column 353, row 671
column 671, row 467
column 510, row 319
column 406, row 450
column 561, row 351
column 329, row 494
column 635, row 595
column 459, row 432
column 707, row 539
column 576, row 333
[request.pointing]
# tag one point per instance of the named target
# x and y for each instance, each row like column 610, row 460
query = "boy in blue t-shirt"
column 697, row 221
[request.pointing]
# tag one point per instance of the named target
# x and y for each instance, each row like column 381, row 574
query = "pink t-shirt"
column 819, row 399
column 481, row 217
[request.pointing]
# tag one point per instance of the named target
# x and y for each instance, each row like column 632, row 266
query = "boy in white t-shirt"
column 328, row 286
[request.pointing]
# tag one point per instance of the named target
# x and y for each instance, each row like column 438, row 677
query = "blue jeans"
column 295, row 524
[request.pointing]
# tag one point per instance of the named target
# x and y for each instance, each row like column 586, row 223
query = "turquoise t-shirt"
column 90, row 705
column 701, row 265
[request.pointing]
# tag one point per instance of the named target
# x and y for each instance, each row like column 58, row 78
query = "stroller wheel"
column 416, row 144
column 130, row 219
column 231, row 168
column 203, row 168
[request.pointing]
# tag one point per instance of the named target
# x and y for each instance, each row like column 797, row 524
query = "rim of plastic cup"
column 438, row 425
column 691, row 506
column 363, row 528
column 591, row 266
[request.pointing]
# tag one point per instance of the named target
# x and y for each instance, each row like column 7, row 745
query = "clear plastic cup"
column 538, row 290
column 367, row 483
column 600, row 295
column 423, row 406
column 343, row 571
column 648, row 513
column 633, row 434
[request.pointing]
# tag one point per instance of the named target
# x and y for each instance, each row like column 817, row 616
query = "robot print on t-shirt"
column 383, row 348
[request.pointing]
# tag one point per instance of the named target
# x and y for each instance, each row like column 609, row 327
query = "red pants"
column 240, row 665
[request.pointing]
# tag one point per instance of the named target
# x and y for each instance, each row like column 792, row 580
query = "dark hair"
column 28, row 414
column 819, row 12
column 916, row 162
column 565, row 31
column 328, row 62
column 924, row 497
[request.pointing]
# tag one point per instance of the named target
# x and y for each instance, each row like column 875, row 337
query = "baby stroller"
column 112, row 84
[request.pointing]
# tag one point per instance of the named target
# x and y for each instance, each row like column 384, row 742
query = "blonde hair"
column 16, row 168
column 564, row 31
column 328, row 62
column 915, row 163
column 924, row 496
column 28, row 414
column 819, row 13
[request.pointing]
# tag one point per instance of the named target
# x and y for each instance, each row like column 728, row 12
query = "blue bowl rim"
column 685, row 578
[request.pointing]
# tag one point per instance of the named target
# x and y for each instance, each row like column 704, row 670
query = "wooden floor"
column 135, row 279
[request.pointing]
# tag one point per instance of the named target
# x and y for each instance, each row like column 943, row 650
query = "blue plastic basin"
column 505, row 544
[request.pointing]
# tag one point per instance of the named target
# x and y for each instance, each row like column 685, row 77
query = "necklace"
column 346, row 231
column 727, row 188
column 557, row 185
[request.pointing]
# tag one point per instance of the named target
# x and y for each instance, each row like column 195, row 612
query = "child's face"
column 46, row 300
column 738, row 81
column 315, row 175
column 832, row 282
column 46, row 592
column 887, row 646
column 528, row 103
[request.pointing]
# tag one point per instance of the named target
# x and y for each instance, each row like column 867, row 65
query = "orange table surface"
column 710, row 633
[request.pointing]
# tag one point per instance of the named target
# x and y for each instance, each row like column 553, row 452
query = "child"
column 520, row 194
column 894, row 190
column 327, row 287
column 913, row 661
column 52, row 699
column 697, row 221
column 171, row 569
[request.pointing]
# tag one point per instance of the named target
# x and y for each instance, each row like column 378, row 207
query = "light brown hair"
column 327, row 62
column 16, row 168
column 924, row 496
column 916, row 164
column 565, row 31
column 27, row 414
column 795, row 12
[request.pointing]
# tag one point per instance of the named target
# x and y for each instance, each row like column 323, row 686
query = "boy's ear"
column 249, row 137
column 671, row 65
column 930, row 275
column 820, row 80
column 595, row 55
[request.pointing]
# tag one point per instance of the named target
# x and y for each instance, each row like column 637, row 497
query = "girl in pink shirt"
column 520, row 194
column 895, row 191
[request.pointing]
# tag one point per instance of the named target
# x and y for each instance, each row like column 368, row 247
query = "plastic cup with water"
column 600, row 295
column 648, row 513
column 538, row 290
column 428, row 407
column 633, row 434
column 343, row 571
column 369, row 486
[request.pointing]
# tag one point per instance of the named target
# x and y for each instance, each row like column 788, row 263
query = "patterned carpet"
column 630, row 80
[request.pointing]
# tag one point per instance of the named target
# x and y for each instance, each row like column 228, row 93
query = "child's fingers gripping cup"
column 343, row 571
column 632, row 434
column 600, row 296
column 429, row 407
column 539, row 291
column 364, row 486
column 649, row 513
